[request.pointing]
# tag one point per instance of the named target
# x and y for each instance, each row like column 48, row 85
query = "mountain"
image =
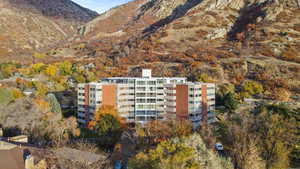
column 29, row 26
column 226, row 40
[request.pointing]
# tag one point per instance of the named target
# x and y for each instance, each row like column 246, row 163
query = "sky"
column 100, row 5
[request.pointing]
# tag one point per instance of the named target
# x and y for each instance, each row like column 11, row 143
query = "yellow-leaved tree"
column 108, row 126
column 51, row 70
column 106, row 110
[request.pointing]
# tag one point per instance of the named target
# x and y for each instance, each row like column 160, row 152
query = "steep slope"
column 28, row 26
column 230, row 41
column 226, row 40
column 98, row 37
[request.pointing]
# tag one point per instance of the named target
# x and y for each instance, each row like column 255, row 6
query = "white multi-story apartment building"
column 142, row 99
column 193, row 101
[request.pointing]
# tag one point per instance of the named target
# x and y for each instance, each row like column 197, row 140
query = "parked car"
column 118, row 165
column 219, row 147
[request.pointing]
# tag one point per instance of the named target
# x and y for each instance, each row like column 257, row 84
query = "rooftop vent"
column 146, row 73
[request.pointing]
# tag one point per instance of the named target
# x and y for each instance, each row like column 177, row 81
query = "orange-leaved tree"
column 108, row 126
column 106, row 110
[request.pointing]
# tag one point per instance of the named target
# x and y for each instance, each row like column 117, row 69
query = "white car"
column 219, row 147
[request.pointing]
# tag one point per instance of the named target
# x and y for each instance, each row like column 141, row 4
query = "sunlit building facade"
column 146, row 98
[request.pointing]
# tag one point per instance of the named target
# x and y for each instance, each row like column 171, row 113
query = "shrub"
column 41, row 88
column 39, row 55
column 65, row 68
column 205, row 78
column 252, row 88
column 38, row 67
column 8, row 69
column 51, row 70
column 17, row 93
column 281, row 94
column 6, row 96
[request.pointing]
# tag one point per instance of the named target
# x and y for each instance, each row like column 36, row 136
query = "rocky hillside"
column 28, row 26
column 225, row 40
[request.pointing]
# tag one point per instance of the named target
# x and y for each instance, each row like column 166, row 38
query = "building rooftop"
column 79, row 156
column 12, row 159
column 145, row 78
column 6, row 146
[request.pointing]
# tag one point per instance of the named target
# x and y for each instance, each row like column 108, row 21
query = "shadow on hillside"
column 67, row 100
column 178, row 12
column 248, row 15
column 11, row 131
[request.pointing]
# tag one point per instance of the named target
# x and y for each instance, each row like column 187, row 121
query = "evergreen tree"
column 54, row 104
column 230, row 102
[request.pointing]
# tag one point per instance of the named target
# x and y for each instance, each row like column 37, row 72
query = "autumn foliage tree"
column 156, row 131
column 185, row 152
column 38, row 67
column 282, row 94
column 108, row 125
column 251, row 88
column 51, row 70
column 65, row 68
column 263, row 138
column 278, row 130
column 106, row 110
column 238, row 137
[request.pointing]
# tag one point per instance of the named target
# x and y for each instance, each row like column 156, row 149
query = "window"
column 140, row 106
column 141, row 100
column 152, row 88
column 141, row 88
column 160, row 81
column 141, row 82
column 140, row 113
column 153, row 113
column 151, row 101
column 151, row 94
column 151, row 82
column 142, row 118
column 141, row 95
